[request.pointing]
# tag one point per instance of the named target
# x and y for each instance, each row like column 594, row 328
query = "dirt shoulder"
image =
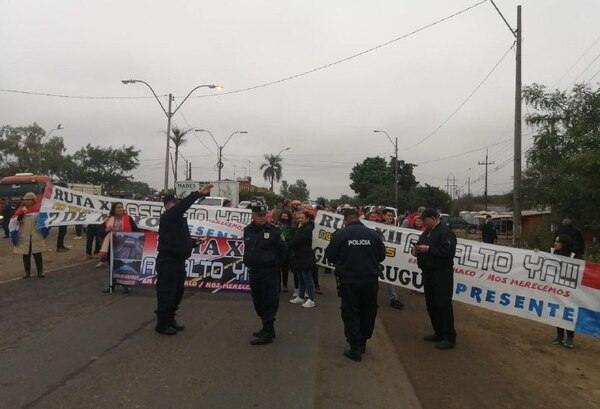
column 11, row 265
column 500, row 361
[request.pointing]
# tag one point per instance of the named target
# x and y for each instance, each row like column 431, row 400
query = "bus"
column 13, row 188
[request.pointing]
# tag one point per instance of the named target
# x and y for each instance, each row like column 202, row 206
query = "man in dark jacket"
column 356, row 252
column 488, row 231
column 435, row 251
column 574, row 234
column 174, row 248
column 264, row 250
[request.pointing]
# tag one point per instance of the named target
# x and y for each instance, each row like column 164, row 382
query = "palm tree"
column 178, row 138
column 272, row 169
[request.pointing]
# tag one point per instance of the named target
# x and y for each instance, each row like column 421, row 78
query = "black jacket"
column 442, row 247
column 356, row 251
column 174, row 238
column 488, row 233
column 300, row 244
column 576, row 237
column 264, row 246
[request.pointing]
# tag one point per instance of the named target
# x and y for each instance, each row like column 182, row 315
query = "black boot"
column 261, row 331
column 354, row 351
column 175, row 325
column 266, row 335
column 163, row 326
column 363, row 346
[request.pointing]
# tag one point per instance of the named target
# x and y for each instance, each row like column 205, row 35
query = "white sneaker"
column 77, row 237
column 308, row 303
column 297, row 300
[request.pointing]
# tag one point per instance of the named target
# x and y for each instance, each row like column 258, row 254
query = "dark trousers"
column 264, row 285
column 315, row 276
column 359, row 309
column 5, row 226
column 60, row 241
column 169, row 285
column 438, row 286
column 94, row 232
column 78, row 229
column 285, row 270
column 561, row 332
column 37, row 257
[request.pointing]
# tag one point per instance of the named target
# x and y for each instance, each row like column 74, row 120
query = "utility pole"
column 485, row 192
column 451, row 187
column 517, row 227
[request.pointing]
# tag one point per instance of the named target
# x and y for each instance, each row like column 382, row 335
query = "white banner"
column 540, row 286
column 61, row 206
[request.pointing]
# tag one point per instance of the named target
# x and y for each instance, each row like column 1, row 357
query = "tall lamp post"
column 169, row 113
column 283, row 150
column 42, row 144
column 396, row 164
column 220, row 147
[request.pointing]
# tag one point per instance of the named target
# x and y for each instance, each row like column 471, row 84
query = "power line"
column 576, row 62
column 463, row 153
column 280, row 80
column 463, row 103
column 584, row 70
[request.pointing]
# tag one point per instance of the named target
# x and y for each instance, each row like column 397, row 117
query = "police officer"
column 264, row 249
column 356, row 252
column 435, row 251
column 174, row 248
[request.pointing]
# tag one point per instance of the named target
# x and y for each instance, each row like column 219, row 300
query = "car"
column 243, row 204
column 212, row 201
column 459, row 223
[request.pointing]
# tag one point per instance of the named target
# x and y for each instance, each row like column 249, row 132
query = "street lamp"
column 41, row 145
column 283, row 150
column 169, row 115
column 220, row 147
column 396, row 164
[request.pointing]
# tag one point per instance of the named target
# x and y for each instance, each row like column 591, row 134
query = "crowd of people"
column 278, row 243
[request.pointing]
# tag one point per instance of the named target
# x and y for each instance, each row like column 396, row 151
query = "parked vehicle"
column 212, row 201
column 459, row 223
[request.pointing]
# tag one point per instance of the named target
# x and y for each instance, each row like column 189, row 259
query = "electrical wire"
column 280, row 80
column 464, row 102
column 576, row 62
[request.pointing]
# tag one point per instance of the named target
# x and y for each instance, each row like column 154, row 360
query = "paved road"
column 64, row 344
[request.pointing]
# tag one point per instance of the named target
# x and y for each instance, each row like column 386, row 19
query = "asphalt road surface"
column 65, row 344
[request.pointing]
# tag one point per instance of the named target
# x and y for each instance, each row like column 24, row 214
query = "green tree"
column 108, row 167
column 178, row 138
column 272, row 169
column 22, row 150
column 429, row 196
column 564, row 161
column 370, row 174
column 299, row 190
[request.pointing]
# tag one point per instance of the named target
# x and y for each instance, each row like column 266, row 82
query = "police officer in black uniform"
column 356, row 251
column 264, row 249
column 174, row 248
column 435, row 251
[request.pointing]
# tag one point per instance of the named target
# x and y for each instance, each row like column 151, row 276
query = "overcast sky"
column 408, row 87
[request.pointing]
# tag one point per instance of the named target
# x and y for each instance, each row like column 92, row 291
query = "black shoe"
column 353, row 354
column 62, row 250
column 166, row 330
column 445, row 344
column 432, row 338
column 41, row 275
column 27, row 275
column 126, row 290
column 363, row 346
column 396, row 304
column 259, row 333
column 175, row 325
column 263, row 339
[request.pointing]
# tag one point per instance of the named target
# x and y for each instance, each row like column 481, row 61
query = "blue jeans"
column 306, row 286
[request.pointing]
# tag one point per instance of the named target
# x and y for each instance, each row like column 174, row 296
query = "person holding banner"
column 25, row 236
column 356, row 252
column 174, row 248
column 117, row 221
column 435, row 251
column 563, row 246
column 264, row 251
